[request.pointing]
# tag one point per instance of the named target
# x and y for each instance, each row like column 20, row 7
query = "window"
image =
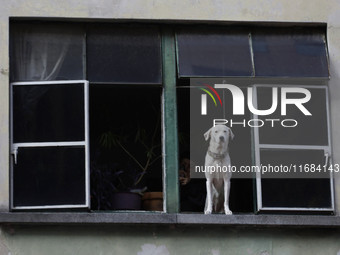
column 108, row 108
column 262, row 141
column 309, row 189
column 50, row 145
column 86, row 114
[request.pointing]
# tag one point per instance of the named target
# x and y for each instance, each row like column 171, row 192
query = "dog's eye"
column 215, row 131
column 225, row 131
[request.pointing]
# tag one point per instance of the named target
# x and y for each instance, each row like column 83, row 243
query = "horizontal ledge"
column 261, row 220
column 167, row 218
column 86, row 218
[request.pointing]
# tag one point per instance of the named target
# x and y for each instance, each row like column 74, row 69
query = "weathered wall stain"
column 215, row 252
column 4, row 71
column 151, row 249
column 3, row 247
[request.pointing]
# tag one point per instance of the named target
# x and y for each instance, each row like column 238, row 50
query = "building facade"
column 68, row 231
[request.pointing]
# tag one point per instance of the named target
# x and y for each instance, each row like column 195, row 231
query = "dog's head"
column 219, row 134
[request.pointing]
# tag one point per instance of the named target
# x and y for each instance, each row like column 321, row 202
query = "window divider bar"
column 257, row 153
column 47, row 82
column 170, row 137
column 330, row 138
column 45, row 207
column 48, row 144
column 87, row 144
column 252, row 53
column 296, row 147
column 296, row 209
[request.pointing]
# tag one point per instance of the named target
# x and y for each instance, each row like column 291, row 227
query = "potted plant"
column 103, row 177
column 138, row 163
column 110, row 192
column 127, row 195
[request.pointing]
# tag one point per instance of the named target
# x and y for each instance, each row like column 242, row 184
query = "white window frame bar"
column 258, row 146
column 85, row 143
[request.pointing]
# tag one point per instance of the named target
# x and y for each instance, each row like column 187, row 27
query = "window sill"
column 164, row 218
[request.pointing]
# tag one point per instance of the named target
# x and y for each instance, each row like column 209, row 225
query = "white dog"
column 218, row 183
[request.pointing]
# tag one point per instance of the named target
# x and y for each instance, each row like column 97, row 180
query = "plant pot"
column 152, row 201
column 125, row 201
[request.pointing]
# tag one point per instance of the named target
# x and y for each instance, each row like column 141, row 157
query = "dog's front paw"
column 228, row 212
column 207, row 211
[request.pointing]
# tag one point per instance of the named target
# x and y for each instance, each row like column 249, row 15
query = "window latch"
column 327, row 158
column 15, row 154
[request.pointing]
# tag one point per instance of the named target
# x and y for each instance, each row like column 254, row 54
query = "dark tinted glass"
column 214, row 53
column 306, row 192
column 298, row 161
column 48, row 113
column 123, row 54
column 290, row 53
column 310, row 130
column 49, row 176
column 47, row 52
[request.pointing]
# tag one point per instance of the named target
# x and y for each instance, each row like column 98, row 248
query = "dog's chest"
column 218, row 168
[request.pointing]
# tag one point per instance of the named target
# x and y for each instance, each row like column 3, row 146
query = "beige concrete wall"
column 130, row 240
column 234, row 10
column 150, row 240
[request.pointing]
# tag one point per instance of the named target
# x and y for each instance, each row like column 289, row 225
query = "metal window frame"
column 85, row 143
column 171, row 203
column 169, row 121
column 169, row 128
column 258, row 146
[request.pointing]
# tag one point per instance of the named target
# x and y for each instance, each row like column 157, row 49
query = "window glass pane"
column 48, row 113
column 47, row 52
column 123, row 54
column 214, row 52
column 312, row 190
column 303, row 193
column 293, row 159
column 310, row 129
column 49, row 176
column 290, row 52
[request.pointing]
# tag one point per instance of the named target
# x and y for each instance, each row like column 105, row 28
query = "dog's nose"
column 222, row 138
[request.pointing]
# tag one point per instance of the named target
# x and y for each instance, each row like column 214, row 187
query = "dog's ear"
column 207, row 134
column 231, row 134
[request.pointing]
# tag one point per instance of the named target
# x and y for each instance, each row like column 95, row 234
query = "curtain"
column 37, row 54
column 38, row 51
